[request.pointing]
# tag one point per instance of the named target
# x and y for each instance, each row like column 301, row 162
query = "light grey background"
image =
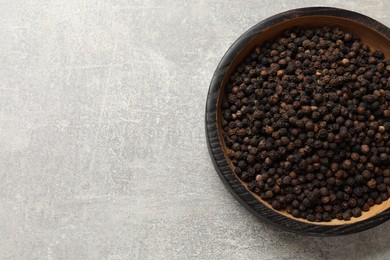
column 102, row 145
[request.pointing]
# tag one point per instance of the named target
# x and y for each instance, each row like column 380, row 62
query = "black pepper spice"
column 306, row 121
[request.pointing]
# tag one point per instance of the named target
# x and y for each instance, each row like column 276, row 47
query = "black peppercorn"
column 356, row 212
column 371, row 183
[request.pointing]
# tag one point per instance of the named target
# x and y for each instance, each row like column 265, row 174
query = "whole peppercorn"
column 365, row 207
column 386, row 113
column 347, row 37
column 310, row 217
column 276, row 204
column 347, row 164
column 326, row 217
column 366, row 174
column 371, row 183
column 381, row 187
column 358, row 191
column 356, row 212
column 355, row 156
column 269, row 194
column 287, row 180
column 339, row 216
column 324, row 191
column 384, row 196
column 371, row 201
column 318, row 217
column 345, row 62
column 365, row 149
column 375, row 159
column 346, row 216
column 352, row 202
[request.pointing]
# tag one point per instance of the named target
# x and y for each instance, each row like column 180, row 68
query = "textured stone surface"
column 102, row 146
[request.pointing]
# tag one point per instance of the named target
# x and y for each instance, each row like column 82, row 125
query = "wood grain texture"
column 371, row 32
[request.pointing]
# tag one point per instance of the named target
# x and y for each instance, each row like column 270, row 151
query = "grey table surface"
column 102, row 145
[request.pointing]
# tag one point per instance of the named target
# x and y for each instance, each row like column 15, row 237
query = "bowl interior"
column 368, row 35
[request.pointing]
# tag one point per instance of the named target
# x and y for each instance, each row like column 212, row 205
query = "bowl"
column 371, row 32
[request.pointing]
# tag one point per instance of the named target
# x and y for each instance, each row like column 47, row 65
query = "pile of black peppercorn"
column 306, row 120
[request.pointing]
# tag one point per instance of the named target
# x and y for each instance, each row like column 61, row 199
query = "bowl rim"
column 221, row 165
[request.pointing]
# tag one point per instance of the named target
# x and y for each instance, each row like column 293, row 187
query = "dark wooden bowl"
column 371, row 32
